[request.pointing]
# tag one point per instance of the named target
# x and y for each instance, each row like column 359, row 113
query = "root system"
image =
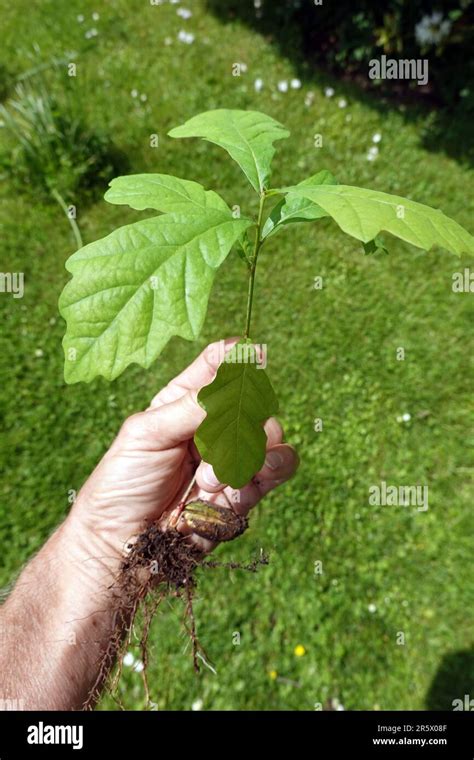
column 159, row 564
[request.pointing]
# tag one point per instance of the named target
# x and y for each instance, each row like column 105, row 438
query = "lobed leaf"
column 247, row 136
column 365, row 213
column 296, row 209
column 237, row 402
column 162, row 192
column 139, row 286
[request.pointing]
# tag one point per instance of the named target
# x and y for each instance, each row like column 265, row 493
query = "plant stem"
column 253, row 265
column 75, row 229
column 177, row 512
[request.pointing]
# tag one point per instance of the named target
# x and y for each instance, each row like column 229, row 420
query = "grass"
column 332, row 354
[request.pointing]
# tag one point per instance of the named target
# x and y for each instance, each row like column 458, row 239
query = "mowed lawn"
column 386, row 570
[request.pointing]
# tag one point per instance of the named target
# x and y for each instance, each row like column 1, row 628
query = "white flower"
column 143, row 98
column 174, row 2
column 432, row 29
column 95, row 16
column 138, row 666
column 372, row 608
column 39, row 353
column 80, row 18
column 186, row 37
column 197, row 705
column 91, row 33
column 257, row 3
column 349, row 117
column 309, row 99
column 134, row 93
column 406, row 417
column 283, row 85
column 128, row 660
column 295, row 84
column 377, row 137
column 342, row 102
column 258, row 84
column 184, row 13
column 336, row 705
column 168, row 41
column 372, row 153
column 329, row 92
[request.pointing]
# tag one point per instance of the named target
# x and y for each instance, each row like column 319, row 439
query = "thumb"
column 166, row 426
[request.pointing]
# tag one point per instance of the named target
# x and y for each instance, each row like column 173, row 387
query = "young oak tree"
column 145, row 282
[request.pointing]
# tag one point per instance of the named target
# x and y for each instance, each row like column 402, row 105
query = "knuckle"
column 132, row 425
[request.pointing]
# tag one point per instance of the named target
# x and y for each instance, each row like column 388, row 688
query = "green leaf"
column 247, row 136
column 295, row 209
column 375, row 246
column 365, row 213
column 134, row 289
column 237, row 402
column 162, row 192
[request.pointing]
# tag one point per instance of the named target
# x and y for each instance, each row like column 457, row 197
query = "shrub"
column 344, row 36
column 53, row 148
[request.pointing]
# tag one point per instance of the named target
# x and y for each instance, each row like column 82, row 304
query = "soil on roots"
column 159, row 564
column 160, row 557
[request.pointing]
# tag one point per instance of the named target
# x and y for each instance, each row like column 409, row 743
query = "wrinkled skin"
column 146, row 471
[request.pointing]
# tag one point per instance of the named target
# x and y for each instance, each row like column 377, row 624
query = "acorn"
column 212, row 521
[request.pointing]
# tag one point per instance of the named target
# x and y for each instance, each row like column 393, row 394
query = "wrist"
column 89, row 553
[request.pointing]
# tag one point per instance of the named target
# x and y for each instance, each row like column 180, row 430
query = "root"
column 159, row 564
column 250, row 567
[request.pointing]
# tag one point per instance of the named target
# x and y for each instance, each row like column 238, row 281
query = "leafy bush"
column 53, row 148
column 346, row 35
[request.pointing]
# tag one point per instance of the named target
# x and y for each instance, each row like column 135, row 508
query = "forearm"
column 57, row 623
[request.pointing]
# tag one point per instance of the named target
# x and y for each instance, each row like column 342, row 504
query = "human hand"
column 145, row 473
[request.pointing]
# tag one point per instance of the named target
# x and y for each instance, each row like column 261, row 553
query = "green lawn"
column 332, row 355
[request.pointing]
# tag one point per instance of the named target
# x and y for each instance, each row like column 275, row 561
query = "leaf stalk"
column 253, row 264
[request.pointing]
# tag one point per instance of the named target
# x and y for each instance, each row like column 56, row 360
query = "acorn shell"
column 212, row 521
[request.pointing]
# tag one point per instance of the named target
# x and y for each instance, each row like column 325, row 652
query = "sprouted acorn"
column 212, row 521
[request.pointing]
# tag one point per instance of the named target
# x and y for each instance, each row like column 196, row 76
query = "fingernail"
column 209, row 477
column 273, row 460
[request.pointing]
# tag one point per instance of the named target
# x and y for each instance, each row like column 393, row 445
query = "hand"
column 146, row 471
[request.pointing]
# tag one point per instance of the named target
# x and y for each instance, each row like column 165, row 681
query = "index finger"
column 199, row 373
